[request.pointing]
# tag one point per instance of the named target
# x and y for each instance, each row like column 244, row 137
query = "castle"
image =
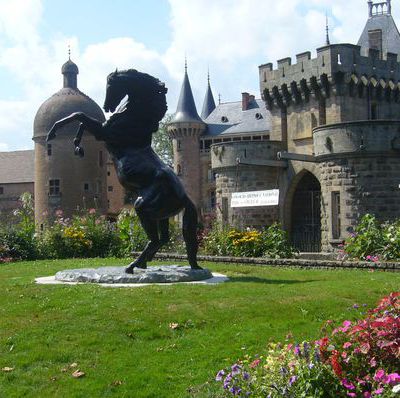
column 326, row 135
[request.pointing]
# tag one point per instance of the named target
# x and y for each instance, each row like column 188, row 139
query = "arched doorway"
column 306, row 215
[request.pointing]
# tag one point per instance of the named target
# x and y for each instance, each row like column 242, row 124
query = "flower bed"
column 357, row 359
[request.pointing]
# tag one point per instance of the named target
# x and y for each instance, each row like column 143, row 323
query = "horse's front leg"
column 89, row 124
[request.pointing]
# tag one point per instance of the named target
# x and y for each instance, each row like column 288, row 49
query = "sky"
column 230, row 38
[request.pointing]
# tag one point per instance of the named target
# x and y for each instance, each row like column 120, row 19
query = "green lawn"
column 122, row 339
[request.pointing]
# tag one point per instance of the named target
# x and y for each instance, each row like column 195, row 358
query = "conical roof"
column 209, row 103
column 186, row 111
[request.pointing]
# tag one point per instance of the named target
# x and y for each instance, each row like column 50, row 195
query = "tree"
column 162, row 144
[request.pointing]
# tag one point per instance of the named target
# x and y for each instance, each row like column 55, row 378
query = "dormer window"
column 224, row 119
column 259, row 116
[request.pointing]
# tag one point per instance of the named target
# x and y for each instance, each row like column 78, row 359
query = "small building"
column 16, row 177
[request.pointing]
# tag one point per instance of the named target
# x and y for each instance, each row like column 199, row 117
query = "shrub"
column 130, row 232
column 17, row 239
column 271, row 242
column 357, row 359
column 372, row 241
column 86, row 235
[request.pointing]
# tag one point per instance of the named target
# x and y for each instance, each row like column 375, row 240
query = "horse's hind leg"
column 190, row 233
column 151, row 228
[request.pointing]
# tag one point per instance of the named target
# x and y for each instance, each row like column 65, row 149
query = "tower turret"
column 185, row 129
column 64, row 181
column 209, row 103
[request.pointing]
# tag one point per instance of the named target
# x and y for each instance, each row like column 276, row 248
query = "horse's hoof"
column 129, row 270
column 195, row 267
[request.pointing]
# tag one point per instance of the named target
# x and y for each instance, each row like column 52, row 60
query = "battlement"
column 334, row 65
column 345, row 58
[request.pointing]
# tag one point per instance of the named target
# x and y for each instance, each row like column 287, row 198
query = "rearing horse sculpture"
column 127, row 134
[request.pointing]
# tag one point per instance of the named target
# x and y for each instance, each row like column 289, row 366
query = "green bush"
column 17, row 239
column 270, row 242
column 373, row 241
column 86, row 235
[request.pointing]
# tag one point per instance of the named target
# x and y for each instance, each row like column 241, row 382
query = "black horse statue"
column 127, row 134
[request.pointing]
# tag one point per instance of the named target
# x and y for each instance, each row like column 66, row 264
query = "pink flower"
column 367, row 394
column 346, row 345
column 372, row 362
column 379, row 391
column 379, row 375
column 347, row 384
column 351, row 394
column 392, row 379
column 92, row 211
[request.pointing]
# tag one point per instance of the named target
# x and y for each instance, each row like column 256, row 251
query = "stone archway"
column 305, row 223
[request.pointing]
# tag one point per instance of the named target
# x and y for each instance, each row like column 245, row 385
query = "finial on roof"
column 69, row 52
column 219, row 99
column 185, row 64
column 328, row 43
column 208, row 75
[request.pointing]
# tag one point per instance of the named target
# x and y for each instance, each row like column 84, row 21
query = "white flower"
column 396, row 389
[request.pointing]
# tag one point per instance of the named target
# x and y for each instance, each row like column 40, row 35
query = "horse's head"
column 115, row 91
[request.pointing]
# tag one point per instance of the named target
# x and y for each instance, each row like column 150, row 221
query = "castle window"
column 224, row 119
column 322, row 111
column 179, row 170
column 54, row 187
column 375, row 39
column 259, row 116
column 213, row 199
column 1, row 190
column 256, row 137
column 110, row 188
column 101, row 162
column 49, row 150
column 207, row 144
column 374, row 111
column 178, row 145
column 108, row 173
column 335, row 204
column 108, row 203
column 86, row 186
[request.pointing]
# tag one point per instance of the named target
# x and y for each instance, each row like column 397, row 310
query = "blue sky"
column 230, row 37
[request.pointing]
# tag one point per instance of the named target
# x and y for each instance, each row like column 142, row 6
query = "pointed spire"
column 219, row 99
column 209, row 103
column 327, row 43
column 186, row 111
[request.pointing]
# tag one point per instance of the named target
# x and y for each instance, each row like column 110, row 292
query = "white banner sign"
column 255, row 198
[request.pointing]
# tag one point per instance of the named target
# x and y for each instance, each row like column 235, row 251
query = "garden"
column 267, row 332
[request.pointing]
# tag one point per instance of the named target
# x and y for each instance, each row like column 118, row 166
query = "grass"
column 122, row 339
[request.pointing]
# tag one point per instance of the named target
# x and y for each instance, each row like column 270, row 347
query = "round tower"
column 64, row 181
column 185, row 129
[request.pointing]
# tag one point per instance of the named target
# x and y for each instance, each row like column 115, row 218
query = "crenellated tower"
column 185, row 130
column 337, row 116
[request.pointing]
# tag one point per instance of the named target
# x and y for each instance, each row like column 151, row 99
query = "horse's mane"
column 149, row 90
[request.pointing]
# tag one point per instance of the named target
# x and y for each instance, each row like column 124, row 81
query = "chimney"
column 245, row 101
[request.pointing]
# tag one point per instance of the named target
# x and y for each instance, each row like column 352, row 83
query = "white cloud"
column 232, row 37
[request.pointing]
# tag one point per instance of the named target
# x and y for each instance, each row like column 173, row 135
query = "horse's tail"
column 190, row 231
